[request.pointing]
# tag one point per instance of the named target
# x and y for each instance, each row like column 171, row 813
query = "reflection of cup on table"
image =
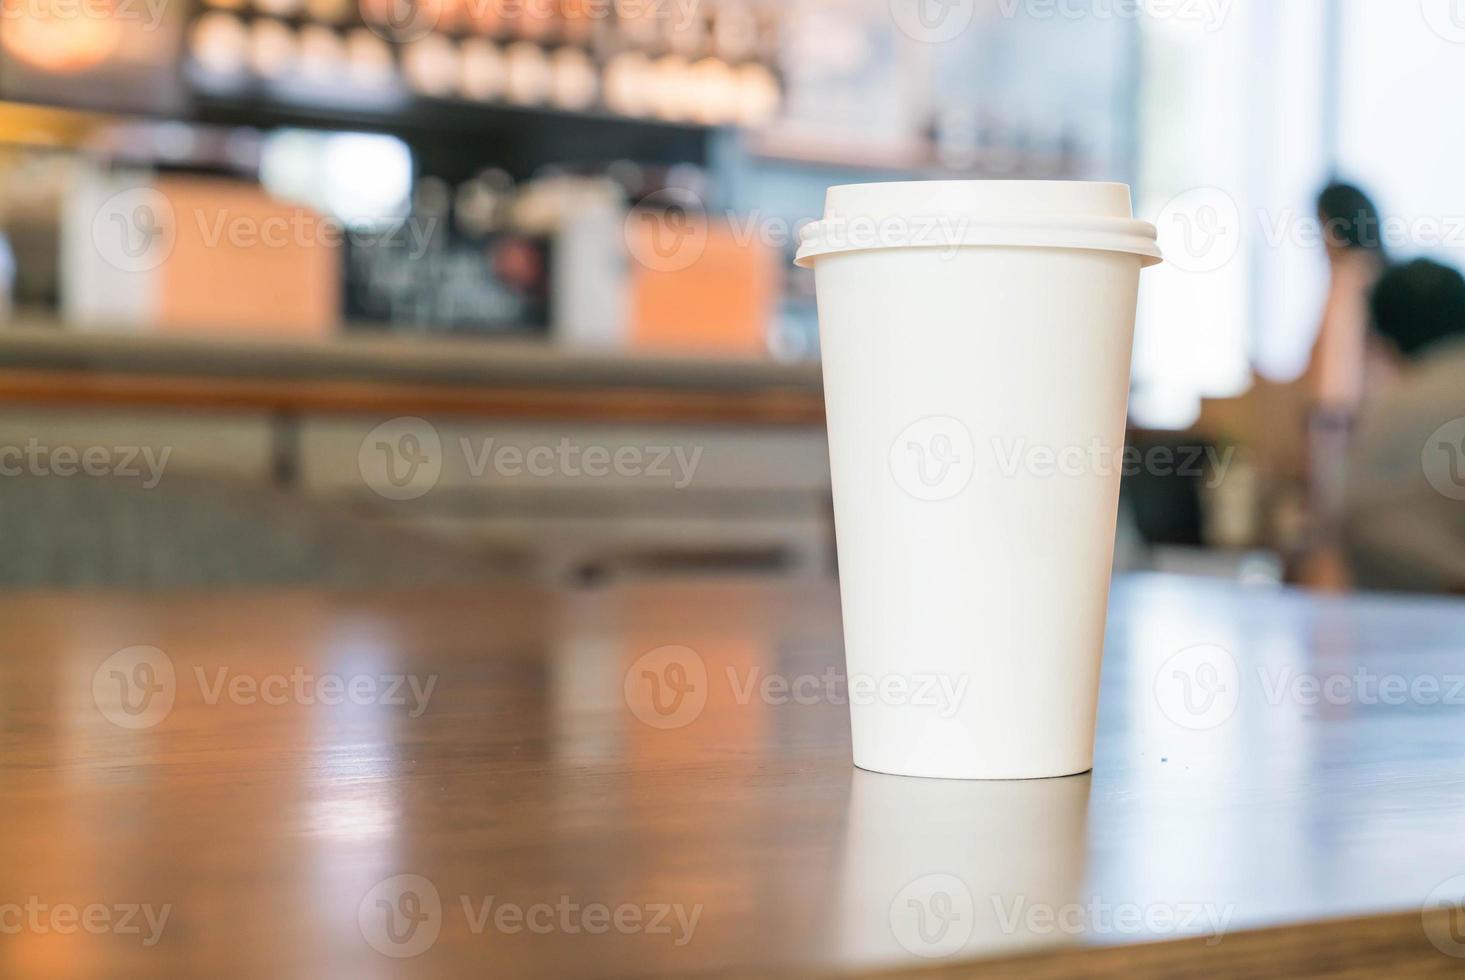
column 939, row 869
column 976, row 339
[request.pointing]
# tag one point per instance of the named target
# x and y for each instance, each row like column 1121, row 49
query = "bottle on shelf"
column 219, row 43
column 430, row 66
column 485, row 71
column 574, row 84
column 529, row 78
column 272, row 49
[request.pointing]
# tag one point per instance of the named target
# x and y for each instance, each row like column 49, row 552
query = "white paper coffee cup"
column 976, row 341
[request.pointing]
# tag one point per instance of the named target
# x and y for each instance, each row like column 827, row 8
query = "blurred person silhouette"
column 1340, row 370
column 1404, row 504
column 1353, row 238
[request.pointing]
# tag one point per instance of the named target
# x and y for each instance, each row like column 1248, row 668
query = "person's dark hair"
column 1350, row 219
column 1418, row 304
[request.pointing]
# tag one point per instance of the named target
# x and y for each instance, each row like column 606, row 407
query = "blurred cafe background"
column 404, row 292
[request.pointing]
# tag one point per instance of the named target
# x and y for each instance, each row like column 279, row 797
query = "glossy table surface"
column 654, row 779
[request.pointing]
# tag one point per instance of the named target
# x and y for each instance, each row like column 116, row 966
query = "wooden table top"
column 522, row 782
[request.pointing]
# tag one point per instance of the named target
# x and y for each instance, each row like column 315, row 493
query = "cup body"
column 977, row 401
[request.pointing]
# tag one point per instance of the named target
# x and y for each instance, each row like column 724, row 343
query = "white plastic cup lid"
column 953, row 213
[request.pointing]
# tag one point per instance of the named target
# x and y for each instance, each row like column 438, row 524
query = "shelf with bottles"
column 711, row 63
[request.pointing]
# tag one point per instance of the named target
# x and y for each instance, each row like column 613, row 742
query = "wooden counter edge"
column 664, row 405
column 1393, row 945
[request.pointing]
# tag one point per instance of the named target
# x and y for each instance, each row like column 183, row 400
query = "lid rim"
column 1128, row 236
column 1081, row 214
column 1098, row 186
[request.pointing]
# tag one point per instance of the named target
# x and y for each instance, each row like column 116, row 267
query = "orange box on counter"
column 698, row 286
column 199, row 255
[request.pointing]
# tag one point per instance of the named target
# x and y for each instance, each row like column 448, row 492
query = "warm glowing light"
column 362, row 179
column 63, row 41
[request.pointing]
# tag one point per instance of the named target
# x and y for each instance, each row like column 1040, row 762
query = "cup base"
column 973, row 775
